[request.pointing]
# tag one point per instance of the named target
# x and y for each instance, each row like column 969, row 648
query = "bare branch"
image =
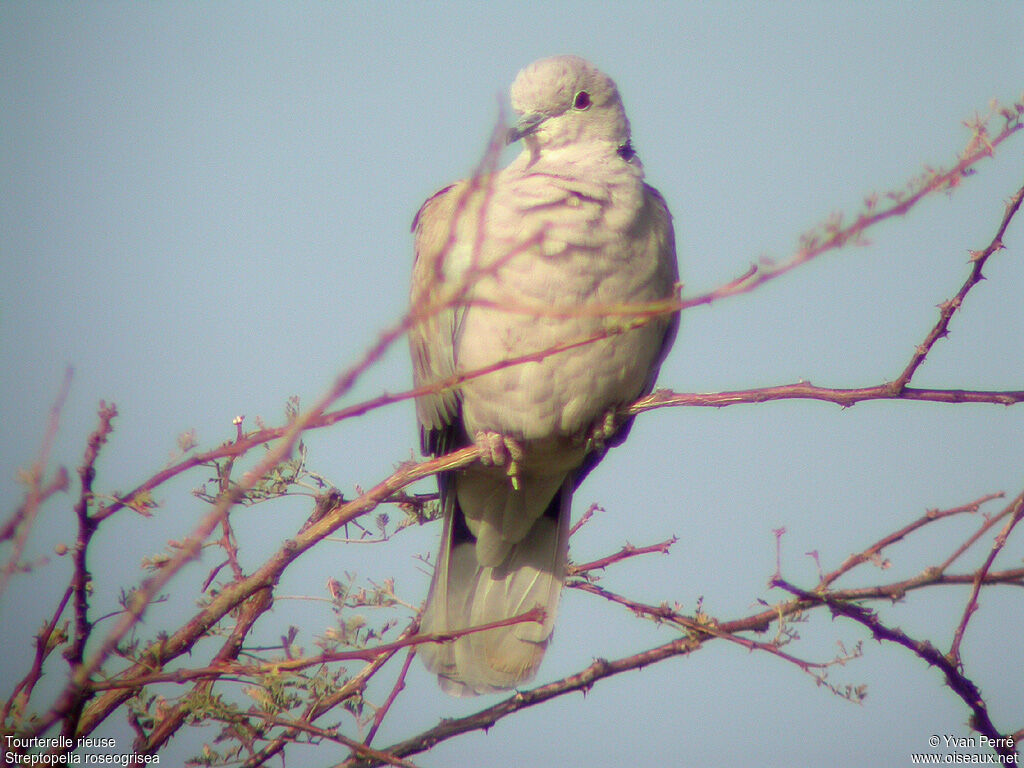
column 873, row 552
column 961, row 685
column 832, row 235
column 22, row 692
column 19, row 525
column 663, row 398
column 318, row 708
column 1017, row 511
column 948, row 308
column 625, row 553
column 293, row 665
column 702, row 628
column 398, row 687
column 81, row 581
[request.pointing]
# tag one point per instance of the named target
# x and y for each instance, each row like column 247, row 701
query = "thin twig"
column 293, row 665
column 803, row 390
column 19, row 525
column 319, row 707
column 960, row 684
column 875, row 550
column 627, row 551
column 833, row 236
column 948, row 308
column 1017, row 507
column 397, row 688
column 970, row 540
column 22, row 692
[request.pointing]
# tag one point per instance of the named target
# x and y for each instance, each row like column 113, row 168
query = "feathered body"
column 555, row 249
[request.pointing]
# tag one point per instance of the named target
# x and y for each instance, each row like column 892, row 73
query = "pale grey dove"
column 556, row 248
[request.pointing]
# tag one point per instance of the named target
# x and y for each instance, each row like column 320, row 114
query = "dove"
column 542, row 304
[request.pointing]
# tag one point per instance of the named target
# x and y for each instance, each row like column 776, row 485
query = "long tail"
column 466, row 592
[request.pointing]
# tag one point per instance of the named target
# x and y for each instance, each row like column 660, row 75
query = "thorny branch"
column 1015, row 511
column 961, row 685
column 948, row 308
column 833, row 234
column 626, row 552
column 223, row 668
column 701, row 628
column 20, row 523
column 81, row 581
column 397, row 688
column 318, row 708
column 46, row 642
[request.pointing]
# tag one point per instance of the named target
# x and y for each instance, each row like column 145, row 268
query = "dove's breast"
column 564, row 266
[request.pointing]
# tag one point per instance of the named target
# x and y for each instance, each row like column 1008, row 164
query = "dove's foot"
column 500, row 451
column 602, row 430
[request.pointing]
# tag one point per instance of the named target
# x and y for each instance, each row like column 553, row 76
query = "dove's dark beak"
column 526, row 125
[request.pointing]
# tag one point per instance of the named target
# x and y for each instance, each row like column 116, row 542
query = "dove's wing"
column 432, row 334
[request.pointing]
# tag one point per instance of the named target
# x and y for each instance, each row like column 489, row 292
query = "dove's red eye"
column 582, row 100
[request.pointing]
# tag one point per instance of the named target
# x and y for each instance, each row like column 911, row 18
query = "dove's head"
column 566, row 100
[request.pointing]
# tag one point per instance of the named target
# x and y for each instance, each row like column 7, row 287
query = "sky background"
column 205, row 209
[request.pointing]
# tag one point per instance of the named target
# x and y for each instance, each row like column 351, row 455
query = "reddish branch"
column 581, row 681
column 302, row 726
column 807, row 391
column 397, row 688
column 894, row 390
column 22, row 692
column 77, row 693
column 18, row 526
column 232, row 595
column 1016, row 511
column 875, row 550
column 319, row 417
column 294, row 665
column 833, row 235
column 948, row 308
column 625, row 553
column 702, row 629
column 960, row 684
column 227, row 539
column 168, row 723
column 601, row 669
column 319, row 707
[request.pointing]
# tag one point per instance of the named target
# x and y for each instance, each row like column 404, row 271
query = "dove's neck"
column 590, row 160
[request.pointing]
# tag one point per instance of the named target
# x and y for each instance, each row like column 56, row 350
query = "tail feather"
column 466, row 593
column 499, row 516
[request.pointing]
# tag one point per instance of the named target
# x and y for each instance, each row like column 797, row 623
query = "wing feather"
column 432, row 334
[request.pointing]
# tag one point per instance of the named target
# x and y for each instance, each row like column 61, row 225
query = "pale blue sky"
column 205, row 209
